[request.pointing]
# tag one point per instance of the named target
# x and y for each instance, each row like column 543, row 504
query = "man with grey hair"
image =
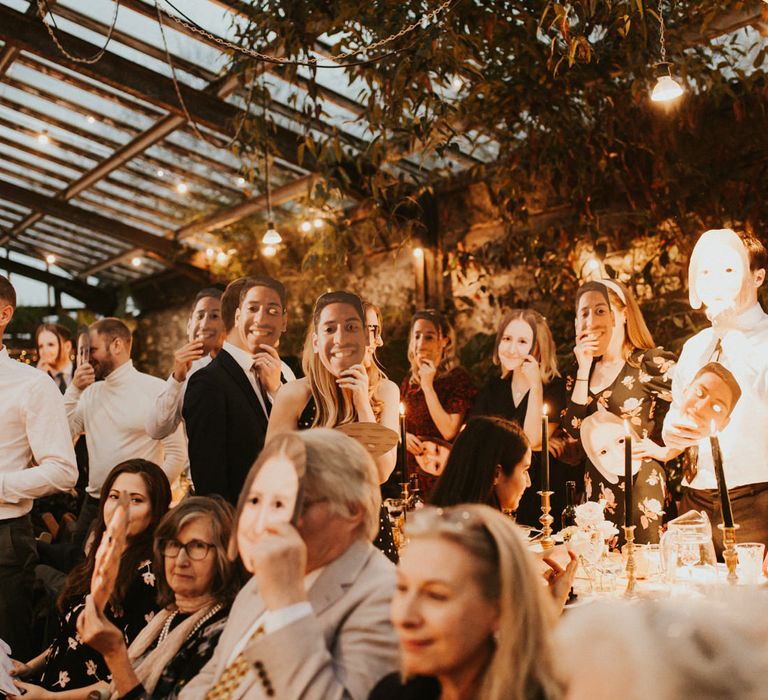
column 313, row 621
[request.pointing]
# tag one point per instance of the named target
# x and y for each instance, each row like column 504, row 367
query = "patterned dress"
column 72, row 664
column 640, row 394
column 456, row 393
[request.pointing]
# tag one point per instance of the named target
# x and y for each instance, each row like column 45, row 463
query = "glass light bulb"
column 271, row 237
column 666, row 89
column 269, row 251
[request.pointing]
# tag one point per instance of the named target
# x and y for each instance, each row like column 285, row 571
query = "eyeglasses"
column 196, row 550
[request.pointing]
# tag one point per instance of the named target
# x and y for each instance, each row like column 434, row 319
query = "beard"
column 103, row 369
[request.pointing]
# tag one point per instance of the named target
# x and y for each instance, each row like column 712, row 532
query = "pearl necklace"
column 167, row 626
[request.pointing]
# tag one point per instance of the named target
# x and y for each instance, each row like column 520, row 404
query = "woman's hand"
column 585, row 349
column 530, row 370
column 413, row 444
column 19, row 669
column 427, row 372
column 355, row 379
column 30, row 691
column 559, row 579
column 97, row 631
column 646, row 448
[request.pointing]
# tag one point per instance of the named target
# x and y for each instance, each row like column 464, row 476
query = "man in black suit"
column 227, row 404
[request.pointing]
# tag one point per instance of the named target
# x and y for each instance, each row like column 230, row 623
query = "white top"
column 245, row 360
column 36, row 454
column 744, row 441
column 165, row 415
column 112, row 414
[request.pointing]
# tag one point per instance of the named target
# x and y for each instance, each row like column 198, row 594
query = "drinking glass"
column 750, row 567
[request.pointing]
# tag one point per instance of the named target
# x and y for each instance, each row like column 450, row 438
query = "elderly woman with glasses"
column 197, row 583
column 471, row 613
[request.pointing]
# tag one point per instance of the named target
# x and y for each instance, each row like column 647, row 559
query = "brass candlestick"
column 629, row 535
column 729, row 552
column 546, row 521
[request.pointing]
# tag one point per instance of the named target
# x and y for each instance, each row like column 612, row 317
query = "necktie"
column 59, row 379
column 233, row 674
column 266, row 403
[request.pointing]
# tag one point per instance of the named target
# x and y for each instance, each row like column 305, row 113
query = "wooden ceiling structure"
column 95, row 156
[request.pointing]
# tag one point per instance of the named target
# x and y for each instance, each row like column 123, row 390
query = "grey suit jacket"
column 338, row 653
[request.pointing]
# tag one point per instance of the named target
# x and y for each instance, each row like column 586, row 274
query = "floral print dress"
column 73, row 664
column 640, row 394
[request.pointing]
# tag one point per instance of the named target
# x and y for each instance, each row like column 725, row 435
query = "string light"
column 241, row 181
column 50, row 259
column 160, row 173
column 269, row 251
column 210, row 253
column 136, row 262
column 43, row 138
column 418, row 253
column 305, row 227
column 90, row 119
column 318, row 223
column 182, row 188
column 222, row 258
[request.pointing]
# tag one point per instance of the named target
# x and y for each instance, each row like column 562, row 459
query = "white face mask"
column 718, row 274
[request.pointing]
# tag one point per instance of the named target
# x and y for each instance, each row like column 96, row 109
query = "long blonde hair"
column 543, row 346
column 333, row 406
column 448, row 361
column 522, row 665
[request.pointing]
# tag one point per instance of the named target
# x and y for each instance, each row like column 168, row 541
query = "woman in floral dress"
column 69, row 669
column 620, row 379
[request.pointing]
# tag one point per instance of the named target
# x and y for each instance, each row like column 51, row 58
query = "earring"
column 496, row 637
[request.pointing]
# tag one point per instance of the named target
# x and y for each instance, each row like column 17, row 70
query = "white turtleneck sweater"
column 112, row 414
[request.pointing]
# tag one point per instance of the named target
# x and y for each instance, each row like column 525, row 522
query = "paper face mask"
column 602, row 435
column 718, row 273
column 273, row 499
column 710, row 398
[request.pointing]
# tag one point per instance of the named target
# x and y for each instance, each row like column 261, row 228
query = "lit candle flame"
column 402, row 408
column 545, row 410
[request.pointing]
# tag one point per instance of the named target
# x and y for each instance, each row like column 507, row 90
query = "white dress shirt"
column 245, row 360
column 36, row 454
column 744, row 441
column 165, row 415
column 112, row 414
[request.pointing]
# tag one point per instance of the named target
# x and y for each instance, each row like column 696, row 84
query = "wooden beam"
column 230, row 215
column 753, row 14
column 101, row 300
column 87, row 219
column 206, row 109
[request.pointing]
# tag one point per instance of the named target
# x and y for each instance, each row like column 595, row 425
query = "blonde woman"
column 437, row 394
column 471, row 613
column 338, row 388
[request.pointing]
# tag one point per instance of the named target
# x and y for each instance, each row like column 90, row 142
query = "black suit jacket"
column 226, row 426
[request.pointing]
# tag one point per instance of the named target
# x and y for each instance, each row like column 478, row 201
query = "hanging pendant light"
column 666, row 88
column 271, row 237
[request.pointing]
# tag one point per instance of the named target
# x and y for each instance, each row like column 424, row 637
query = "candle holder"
column 629, row 535
column 730, row 556
column 546, row 521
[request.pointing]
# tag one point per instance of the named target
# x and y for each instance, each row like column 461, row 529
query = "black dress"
column 384, row 541
column 417, row 688
column 495, row 399
column 640, row 394
column 72, row 664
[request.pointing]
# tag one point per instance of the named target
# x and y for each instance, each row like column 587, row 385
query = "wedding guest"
column 205, row 335
column 489, row 463
column 725, row 273
column 36, row 459
column 54, row 351
column 109, row 400
column 196, row 584
column 336, row 388
column 437, row 393
column 619, row 370
column 470, row 611
column 706, row 648
column 338, row 381
column 312, row 623
column 529, row 380
column 69, row 669
column 227, row 404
